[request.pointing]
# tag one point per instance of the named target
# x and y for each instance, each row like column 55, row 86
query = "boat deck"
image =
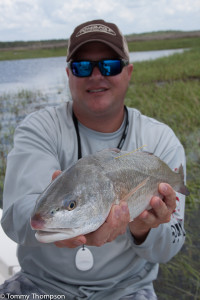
column 8, row 259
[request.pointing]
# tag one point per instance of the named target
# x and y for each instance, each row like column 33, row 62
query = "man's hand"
column 160, row 213
column 115, row 224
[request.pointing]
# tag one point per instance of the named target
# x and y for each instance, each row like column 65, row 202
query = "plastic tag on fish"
column 84, row 259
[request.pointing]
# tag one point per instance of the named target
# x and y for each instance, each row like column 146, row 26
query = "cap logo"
column 95, row 28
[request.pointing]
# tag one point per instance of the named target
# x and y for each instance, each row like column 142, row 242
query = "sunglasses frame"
column 123, row 63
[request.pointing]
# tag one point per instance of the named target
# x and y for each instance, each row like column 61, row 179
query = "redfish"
column 79, row 200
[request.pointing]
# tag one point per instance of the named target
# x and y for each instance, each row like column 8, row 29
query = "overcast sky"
column 55, row 19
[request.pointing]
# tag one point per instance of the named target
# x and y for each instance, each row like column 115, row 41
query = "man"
column 120, row 259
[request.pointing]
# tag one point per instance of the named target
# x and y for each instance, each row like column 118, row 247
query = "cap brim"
column 117, row 50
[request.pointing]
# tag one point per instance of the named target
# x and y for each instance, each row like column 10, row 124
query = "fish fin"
column 133, row 191
column 183, row 189
column 181, row 171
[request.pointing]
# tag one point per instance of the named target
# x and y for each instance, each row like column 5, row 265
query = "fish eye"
column 54, row 210
column 69, row 203
column 72, row 205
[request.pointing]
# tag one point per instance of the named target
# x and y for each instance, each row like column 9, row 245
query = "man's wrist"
column 140, row 235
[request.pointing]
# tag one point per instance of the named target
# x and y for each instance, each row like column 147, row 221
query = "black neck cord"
column 121, row 142
column 77, row 134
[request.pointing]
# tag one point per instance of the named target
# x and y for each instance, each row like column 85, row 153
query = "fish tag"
column 84, row 260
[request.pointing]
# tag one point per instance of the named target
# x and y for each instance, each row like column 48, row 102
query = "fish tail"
column 183, row 189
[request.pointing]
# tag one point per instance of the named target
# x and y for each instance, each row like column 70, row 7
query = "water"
column 48, row 74
column 43, row 74
column 150, row 55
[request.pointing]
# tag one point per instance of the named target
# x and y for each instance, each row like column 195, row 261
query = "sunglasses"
column 107, row 67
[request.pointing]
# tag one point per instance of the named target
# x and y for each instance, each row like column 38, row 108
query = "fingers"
column 115, row 225
column 71, row 243
column 56, row 173
column 99, row 237
column 169, row 196
column 160, row 212
column 118, row 220
column 161, row 208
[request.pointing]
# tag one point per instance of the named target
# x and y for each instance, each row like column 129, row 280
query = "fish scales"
column 145, row 165
column 79, row 200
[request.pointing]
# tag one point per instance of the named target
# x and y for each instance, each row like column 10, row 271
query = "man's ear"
column 67, row 71
column 130, row 70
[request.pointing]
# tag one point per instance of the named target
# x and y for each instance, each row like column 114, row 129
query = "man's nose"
column 96, row 72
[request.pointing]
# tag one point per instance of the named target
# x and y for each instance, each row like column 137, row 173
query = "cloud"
column 41, row 19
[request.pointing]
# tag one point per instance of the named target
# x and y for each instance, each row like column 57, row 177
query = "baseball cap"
column 98, row 31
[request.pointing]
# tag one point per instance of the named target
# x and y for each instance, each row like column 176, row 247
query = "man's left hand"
column 160, row 213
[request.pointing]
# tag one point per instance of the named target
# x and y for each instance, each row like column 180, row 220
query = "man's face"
column 97, row 94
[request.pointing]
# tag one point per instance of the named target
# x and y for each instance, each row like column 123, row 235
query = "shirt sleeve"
column 30, row 166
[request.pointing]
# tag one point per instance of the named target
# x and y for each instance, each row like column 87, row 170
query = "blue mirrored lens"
column 110, row 67
column 81, row 68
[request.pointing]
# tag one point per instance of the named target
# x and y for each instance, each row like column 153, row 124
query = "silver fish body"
column 79, row 200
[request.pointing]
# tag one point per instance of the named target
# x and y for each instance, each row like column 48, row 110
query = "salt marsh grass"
column 23, row 50
column 13, row 109
column 162, row 44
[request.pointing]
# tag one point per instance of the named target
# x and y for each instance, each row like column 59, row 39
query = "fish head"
column 76, row 202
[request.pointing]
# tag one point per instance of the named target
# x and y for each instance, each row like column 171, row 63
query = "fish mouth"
column 57, row 234
column 50, row 231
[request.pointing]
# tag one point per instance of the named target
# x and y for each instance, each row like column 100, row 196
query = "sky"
column 25, row 20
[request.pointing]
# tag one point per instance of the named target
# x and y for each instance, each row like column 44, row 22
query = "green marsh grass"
column 162, row 44
column 13, row 108
column 146, row 45
column 32, row 53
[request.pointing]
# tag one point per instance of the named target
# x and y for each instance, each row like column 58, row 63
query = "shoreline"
column 136, row 42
